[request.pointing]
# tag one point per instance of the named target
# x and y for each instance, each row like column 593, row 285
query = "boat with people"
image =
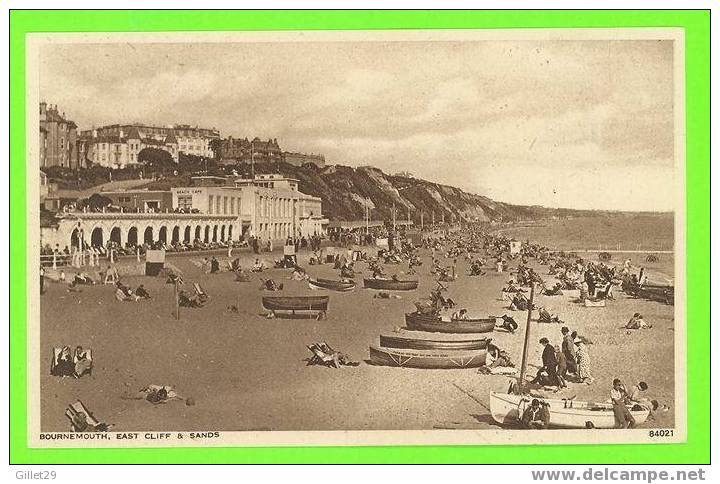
column 508, row 408
column 433, row 323
column 432, row 342
column 430, row 359
column 390, row 284
column 343, row 285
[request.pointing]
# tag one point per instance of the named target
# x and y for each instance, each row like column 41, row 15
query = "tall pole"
column 252, row 159
column 177, row 300
column 393, row 215
column 526, row 343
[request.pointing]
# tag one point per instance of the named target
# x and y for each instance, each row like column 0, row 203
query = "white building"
column 268, row 206
column 117, row 146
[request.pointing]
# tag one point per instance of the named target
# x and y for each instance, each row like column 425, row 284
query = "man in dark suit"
column 549, row 366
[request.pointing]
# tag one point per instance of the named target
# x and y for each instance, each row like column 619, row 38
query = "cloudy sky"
column 581, row 124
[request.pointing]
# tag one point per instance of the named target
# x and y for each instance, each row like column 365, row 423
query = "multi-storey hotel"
column 119, row 145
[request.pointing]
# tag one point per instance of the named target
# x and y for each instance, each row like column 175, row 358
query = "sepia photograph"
column 356, row 237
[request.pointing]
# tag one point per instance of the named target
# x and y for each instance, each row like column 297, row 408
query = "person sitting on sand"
column 271, row 285
column 556, row 290
column 241, row 276
column 532, row 417
column 637, row 322
column 83, row 363
column 186, row 301
column 173, row 278
column 298, row 274
column 83, row 278
column 544, row 316
column 498, row 362
column 141, row 292
column 460, row 315
column 258, row 266
column 509, row 323
column 519, row 302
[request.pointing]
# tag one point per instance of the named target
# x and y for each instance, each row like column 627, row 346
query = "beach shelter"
column 154, row 262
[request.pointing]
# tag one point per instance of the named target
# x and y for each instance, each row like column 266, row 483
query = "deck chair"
column 320, row 357
column 53, row 363
column 82, row 420
column 200, row 292
column 111, row 276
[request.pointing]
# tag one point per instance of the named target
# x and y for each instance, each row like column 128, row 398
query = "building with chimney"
column 235, row 150
column 58, row 138
column 117, row 146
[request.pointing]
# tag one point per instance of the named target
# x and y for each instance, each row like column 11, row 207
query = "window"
column 185, row 202
column 225, row 200
column 232, row 205
column 210, row 204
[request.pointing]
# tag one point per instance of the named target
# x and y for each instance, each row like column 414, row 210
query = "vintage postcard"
column 356, row 238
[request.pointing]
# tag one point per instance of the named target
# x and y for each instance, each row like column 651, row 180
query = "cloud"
column 466, row 113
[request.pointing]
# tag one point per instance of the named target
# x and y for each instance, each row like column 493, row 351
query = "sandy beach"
column 246, row 372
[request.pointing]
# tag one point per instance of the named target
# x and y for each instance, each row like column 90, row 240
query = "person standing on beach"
column 583, row 362
column 561, row 366
column 42, row 280
column 549, row 365
column 568, row 349
column 619, row 396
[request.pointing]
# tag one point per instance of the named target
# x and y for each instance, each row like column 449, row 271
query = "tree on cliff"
column 157, row 160
column 216, row 147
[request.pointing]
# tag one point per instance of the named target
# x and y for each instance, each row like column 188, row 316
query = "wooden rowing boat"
column 507, row 409
column 344, row 285
column 412, row 343
column 434, row 324
column 390, row 284
column 427, row 358
column 296, row 303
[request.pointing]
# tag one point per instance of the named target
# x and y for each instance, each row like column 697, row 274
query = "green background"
column 697, row 45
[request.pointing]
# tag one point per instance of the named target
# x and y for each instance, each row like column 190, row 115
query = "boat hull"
column 393, row 341
column 427, row 359
column 390, row 285
column 433, row 324
column 330, row 285
column 507, row 408
column 300, row 303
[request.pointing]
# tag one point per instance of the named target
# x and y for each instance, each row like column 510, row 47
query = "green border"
column 697, row 45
